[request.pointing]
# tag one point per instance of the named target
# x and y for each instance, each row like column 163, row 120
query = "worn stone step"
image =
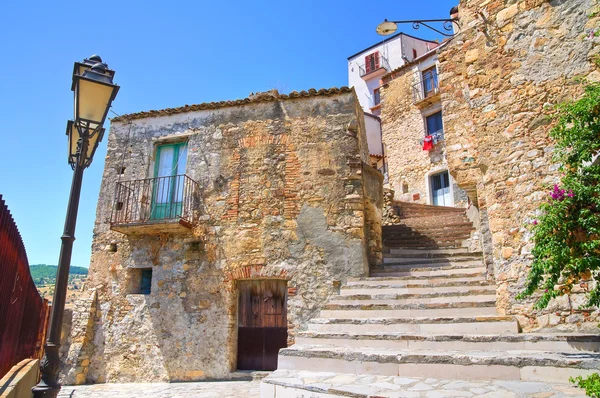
column 424, row 239
column 491, row 324
column 425, row 281
column 425, row 258
column 467, row 365
column 420, row 267
column 432, row 262
column 418, row 298
column 453, row 223
column 411, row 295
column 428, row 232
column 415, row 289
column 430, row 273
column 409, row 310
column 403, row 282
column 427, row 252
column 425, row 245
column 454, row 342
column 306, row 384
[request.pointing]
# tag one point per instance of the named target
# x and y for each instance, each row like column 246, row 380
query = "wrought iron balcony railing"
column 155, row 201
column 383, row 66
column 426, row 87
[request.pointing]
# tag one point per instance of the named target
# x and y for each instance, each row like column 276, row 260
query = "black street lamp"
column 449, row 25
column 94, row 93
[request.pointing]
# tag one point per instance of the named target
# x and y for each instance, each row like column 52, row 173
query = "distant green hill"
column 43, row 274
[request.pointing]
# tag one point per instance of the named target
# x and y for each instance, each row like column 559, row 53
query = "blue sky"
column 165, row 54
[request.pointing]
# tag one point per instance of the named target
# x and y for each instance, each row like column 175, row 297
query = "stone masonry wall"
column 403, row 130
column 282, row 197
column 499, row 80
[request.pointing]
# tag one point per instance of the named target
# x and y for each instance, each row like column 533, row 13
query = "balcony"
column 374, row 68
column 155, row 205
column 426, row 91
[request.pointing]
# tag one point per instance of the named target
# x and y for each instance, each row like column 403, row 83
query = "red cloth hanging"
column 427, row 143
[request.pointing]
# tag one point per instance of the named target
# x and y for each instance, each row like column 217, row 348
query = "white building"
column 365, row 70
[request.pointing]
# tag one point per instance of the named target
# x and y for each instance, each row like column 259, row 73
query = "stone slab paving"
column 347, row 385
column 220, row 389
column 322, row 384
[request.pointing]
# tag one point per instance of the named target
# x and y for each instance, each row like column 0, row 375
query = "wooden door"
column 262, row 323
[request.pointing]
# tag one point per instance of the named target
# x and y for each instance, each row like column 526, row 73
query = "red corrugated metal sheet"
column 23, row 312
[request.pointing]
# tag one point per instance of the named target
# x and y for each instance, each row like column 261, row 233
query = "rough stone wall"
column 499, row 80
column 403, row 129
column 282, row 196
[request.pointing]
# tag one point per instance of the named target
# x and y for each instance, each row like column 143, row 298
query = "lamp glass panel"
column 92, row 100
column 93, row 141
column 73, row 140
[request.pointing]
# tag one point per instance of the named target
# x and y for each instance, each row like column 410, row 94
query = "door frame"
column 235, row 347
column 429, row 186
column 158, row 210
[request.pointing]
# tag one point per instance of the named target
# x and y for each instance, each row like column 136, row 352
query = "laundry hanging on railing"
column 428, row 143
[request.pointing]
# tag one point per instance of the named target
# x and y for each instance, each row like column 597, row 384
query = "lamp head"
column 386, row 28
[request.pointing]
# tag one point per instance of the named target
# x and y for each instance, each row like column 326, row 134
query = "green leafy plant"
column 591, row 384
column 567, row 234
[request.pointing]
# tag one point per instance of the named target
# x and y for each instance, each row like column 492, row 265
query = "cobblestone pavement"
column 220, row 389
column 361, row 386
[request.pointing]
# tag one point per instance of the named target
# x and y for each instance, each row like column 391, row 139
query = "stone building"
column 412, row 111
column 365, row 70
column 499, row 80
column 221, row 229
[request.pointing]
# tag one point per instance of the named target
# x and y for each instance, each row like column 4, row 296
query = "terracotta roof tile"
column 268, row 96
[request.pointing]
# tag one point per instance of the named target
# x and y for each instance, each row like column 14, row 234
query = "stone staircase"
column 429, row 312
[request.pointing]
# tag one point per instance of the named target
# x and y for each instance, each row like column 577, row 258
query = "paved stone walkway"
column 322, row 384
column 362, row 386
column 221, row 389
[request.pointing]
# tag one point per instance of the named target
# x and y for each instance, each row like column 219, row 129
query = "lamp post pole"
column 85, row 133
column 50, row 364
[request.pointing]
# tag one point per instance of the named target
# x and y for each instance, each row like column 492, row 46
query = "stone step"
column 306, row 384
column 454, row 342
column 409, row 310
column 418, row 298
column 440, row 261
column 424, row 219
column 455, row 244
column 426, row 281
column 492, row 324
column 426, row 300
column 409, row 206
column 430, row 273
column 466, row 365
column 415, row 289
column 422, row 267
column 428, row 252
column 458, row 223
column 423, row 239
column 403, row 282
column 447, row 237
column 428, row 230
